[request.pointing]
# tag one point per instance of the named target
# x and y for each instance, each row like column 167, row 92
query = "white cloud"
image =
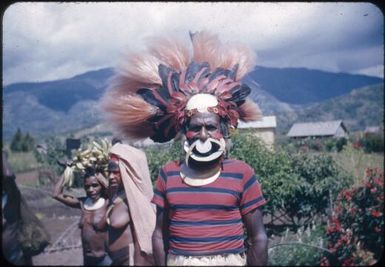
column 58, row 40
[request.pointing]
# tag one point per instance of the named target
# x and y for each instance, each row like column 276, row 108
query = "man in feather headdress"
column 207, row 201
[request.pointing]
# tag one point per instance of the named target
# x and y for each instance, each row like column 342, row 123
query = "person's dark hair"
column 89, row 171
column 116, row 140
column 113, row 165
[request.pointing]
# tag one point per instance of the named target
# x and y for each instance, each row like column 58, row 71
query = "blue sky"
column 45, row 41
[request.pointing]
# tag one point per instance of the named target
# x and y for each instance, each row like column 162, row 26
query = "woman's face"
column 115, row 178
column 93, row 188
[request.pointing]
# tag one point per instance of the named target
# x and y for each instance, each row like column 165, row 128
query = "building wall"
column 340, row 132
column 267, row 135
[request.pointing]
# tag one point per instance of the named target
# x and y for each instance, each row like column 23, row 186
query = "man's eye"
column 211, row 128
column 195, row 128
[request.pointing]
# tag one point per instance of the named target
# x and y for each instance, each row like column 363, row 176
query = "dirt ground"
column 60, row 221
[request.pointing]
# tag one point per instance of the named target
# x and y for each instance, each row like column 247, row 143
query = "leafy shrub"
column 330, row 144
column 297, row 186
column 320, row 181
column 356, row 229
column 158, row 156
column 341, row 142
column 302, row 248
column 372, row 143
column 273, row 169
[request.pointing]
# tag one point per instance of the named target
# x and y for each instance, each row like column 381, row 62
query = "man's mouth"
column 206, row 151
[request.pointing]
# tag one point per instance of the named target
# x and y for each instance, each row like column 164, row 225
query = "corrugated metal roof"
column 266, row 122
column 325, row 128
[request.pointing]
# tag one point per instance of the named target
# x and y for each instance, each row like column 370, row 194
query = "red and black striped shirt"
column 207, row 220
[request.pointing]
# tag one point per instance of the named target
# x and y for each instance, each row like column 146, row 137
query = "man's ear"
column 224, row 127
column 229, row 145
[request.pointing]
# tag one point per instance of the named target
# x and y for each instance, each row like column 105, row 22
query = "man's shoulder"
column 171, row 165
column 236, row 163
column 238, row 166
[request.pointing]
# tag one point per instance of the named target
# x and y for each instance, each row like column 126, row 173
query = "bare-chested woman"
column 130, row 215
column 118, row 218
column 92, row 222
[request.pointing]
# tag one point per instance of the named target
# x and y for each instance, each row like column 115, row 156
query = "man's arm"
column 256, row 238
column 160, row 237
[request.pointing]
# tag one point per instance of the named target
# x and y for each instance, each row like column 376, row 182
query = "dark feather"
column 205, row 73
column 192, row 70
column 175, row 81
column 218, row 72
column 165, row 130
column 233, row 72
column 164, row 94
column 149, row 97
column 239, row 93
column 164, row 71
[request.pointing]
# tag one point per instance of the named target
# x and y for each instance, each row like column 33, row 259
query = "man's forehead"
column 204, row 118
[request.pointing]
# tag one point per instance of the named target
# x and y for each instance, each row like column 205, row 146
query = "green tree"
column 28, row 143
column 16, row 143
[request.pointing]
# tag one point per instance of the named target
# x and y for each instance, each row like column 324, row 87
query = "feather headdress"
column 149, row 93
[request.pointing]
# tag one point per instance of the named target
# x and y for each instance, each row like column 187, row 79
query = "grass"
column 355, row 162
column 22, row 161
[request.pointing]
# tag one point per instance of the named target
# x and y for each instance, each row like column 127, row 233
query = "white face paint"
column 206, row 151
column 203, row 147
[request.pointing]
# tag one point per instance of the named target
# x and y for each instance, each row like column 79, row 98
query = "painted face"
column 203, row 126
column 114, row 176
column 92, row 187
column 204, row 140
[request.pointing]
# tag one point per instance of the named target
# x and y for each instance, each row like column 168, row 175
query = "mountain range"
column 292, row 94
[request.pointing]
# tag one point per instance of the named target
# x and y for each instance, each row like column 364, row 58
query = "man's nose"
column 203, row 134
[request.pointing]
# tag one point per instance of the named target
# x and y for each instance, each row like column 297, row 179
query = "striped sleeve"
column 252, row 196
column 159, row 197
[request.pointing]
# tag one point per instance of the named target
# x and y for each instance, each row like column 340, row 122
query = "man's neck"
column 203, row 170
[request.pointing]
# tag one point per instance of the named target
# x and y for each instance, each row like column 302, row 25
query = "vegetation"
column 355, row 161
column 371, row 142
column 158, row 156
column 298, row 186
column 22, row 142
column 305, row 247
column 356, row 229
column 22, row 161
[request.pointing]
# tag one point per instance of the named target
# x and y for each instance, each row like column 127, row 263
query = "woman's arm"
column 159, row 237
column 60, row 196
